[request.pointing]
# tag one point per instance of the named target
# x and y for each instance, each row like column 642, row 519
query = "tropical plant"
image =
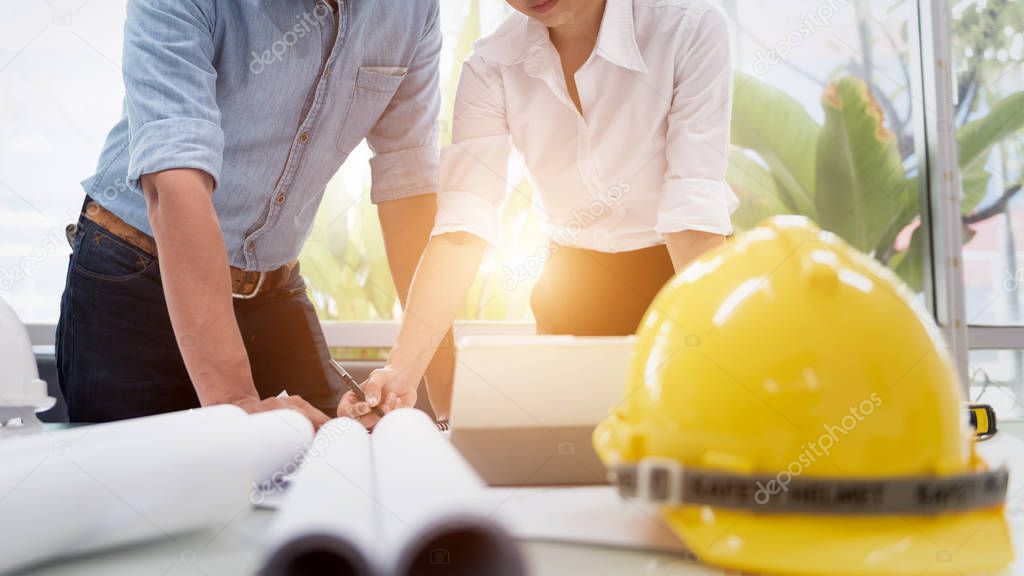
column 848, row 173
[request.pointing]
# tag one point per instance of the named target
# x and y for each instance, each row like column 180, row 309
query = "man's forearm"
column 406, row 226
column 686, row 246
column 197, row 284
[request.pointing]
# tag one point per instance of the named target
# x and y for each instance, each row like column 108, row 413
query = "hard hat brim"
column 972, row 542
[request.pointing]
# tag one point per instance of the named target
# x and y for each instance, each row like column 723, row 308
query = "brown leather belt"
column 245, row 284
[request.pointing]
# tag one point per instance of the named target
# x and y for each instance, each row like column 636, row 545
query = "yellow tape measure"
column 983, row 420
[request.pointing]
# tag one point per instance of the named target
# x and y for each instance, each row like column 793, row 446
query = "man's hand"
column 253, row 405
column 387, row 389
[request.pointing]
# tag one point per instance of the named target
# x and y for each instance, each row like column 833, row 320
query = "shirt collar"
column 616, row 42
column 525, row 39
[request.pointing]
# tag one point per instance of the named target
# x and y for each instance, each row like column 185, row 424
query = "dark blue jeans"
column 117, row 355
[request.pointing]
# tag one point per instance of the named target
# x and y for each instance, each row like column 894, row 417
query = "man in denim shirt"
column 236, row 115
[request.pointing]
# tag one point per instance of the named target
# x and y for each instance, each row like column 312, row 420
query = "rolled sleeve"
column 168, row 144
column 404, row 173
column 171, row 88
column 459, row 211
column 696, row 204
column 695, row 195
column 474, row 187
column 404, row 141
column 474, row 168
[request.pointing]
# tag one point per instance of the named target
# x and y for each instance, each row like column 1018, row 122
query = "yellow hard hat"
column 794, row 411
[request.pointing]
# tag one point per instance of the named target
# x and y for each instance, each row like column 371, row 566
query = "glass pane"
column 988, row 47
column 997, row 379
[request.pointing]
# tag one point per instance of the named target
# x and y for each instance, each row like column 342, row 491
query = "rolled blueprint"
column 63, row 440
column 397, row 502
column 326, row 521
column 434, row 522
column 142, row 482
column 208, row 419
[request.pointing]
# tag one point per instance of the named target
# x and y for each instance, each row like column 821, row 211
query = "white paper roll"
column 276, row 450
column 59, row 441
column 434, row 522
column 399, row 501
column 143, row 482
column 327, row 520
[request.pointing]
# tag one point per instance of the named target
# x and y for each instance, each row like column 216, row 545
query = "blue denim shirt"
column 269, row 98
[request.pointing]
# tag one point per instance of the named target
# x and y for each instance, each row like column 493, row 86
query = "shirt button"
column 304, row 137
column 280, row 198
column 250, row 245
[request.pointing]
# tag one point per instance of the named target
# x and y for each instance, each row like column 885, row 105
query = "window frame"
column 942, row 191
column 941, row 187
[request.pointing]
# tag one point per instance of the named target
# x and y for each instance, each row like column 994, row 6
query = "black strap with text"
column 661, row 482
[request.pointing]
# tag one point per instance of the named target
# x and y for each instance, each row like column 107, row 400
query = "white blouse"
column 648, row 155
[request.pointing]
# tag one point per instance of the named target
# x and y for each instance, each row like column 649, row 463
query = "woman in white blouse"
column 620, row 109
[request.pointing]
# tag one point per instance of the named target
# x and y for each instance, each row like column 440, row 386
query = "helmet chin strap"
column 664, row 481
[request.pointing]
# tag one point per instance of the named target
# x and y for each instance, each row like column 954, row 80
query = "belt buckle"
column 259, row 284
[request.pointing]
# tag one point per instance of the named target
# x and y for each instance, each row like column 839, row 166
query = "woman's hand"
column 386, row 388
column 439, row 287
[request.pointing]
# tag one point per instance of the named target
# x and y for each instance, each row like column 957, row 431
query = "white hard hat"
column 22, row 393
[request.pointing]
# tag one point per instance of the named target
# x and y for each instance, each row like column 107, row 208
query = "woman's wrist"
column 413, row 350
column 408, row 363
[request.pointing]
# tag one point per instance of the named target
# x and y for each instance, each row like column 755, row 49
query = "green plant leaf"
column 909, row 264
column 776, row 126
column 975, row 138
column 374, row 271
column 861, row 186
column 909, row 211
column 756, row 188
column 321, row 259
column 974, row 181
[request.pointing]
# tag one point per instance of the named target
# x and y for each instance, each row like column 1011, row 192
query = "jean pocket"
column 103, row 256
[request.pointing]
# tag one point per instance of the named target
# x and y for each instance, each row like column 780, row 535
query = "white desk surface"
column 235, row 549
